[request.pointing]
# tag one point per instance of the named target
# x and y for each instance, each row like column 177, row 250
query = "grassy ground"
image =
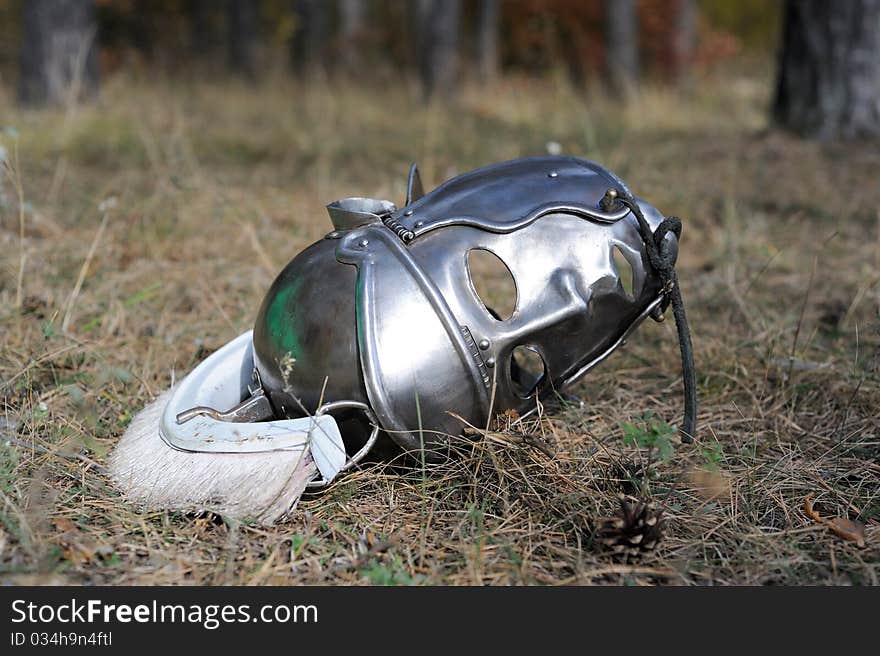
column 153, row 221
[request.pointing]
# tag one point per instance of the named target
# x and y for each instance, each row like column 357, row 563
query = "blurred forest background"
column 827, row 73
column 439, row 42
column 160, row 161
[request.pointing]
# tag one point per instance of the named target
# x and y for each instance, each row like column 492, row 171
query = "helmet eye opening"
column 492, row 283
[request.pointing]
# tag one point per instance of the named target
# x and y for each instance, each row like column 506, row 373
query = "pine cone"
column 637, row 527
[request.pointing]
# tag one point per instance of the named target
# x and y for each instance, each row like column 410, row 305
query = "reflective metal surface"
column 190, row 423
column 386, row 313
column 256, row 407
column 349, row 213
column 508, row 196
column 414, row 189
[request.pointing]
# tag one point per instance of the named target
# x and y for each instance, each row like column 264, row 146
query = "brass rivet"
column 608, row 200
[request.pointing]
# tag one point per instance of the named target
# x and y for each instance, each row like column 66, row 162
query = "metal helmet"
column 382, row 315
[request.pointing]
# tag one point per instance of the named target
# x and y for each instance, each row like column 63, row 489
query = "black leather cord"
column 663, row 262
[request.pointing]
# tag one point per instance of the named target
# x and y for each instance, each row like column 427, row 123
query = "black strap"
column 663, row 262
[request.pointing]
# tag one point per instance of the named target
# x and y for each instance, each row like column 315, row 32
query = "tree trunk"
column 351, row 17
column 59, row 59
column 202, row 36
column 352, row 14
column 418, row 12
column 621, row 46
column 829, row 69
column 143, row 28
column 440, row 52
column 242, row 24
column 310, row 39
column 487, row 39
column 684, row 42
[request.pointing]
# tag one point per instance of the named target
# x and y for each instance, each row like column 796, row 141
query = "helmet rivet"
column 419, row 224
column 609, row 199
column 490, row 362
column 552, row 174
column 363, row 243
column 484, row 344
column 408, row 213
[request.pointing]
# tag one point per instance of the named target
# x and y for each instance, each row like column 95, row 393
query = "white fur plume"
column 257, row 486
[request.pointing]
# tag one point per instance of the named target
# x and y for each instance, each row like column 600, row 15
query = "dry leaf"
column 848, row 529
column 808, row 509
column 64, row 525
column 75, row 548
column 709, row 484
column 504, row 420
column 78, row 554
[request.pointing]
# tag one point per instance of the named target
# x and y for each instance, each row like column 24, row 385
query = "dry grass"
column 215, row 188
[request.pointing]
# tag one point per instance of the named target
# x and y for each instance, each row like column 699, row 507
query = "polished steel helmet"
column 381, row 323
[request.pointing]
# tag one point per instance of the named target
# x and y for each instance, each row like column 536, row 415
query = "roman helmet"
column 380, row 324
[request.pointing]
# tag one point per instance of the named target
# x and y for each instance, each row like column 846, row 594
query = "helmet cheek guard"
column 382, row 317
